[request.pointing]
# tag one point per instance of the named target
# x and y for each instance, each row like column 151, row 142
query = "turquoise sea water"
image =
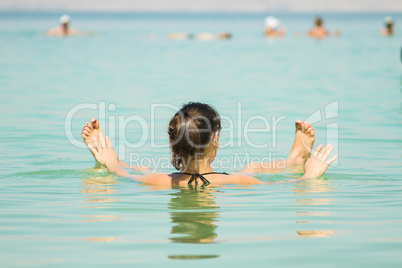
column 55, row 210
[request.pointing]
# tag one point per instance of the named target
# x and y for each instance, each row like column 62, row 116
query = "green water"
column 55, row 210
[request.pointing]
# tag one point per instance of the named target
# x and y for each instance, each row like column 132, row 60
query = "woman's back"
column 183, row 179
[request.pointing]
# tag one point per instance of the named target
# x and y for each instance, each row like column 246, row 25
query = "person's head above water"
column 193, row 135
column 64, row 28
column 65, row 21
column 389, row 23
column 318, row 22
column 272, row 23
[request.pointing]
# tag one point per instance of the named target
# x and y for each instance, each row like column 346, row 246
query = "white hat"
column 388, row 20
column 272, row 22
column 65, row 19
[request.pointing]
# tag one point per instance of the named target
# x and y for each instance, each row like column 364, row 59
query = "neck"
column 201, row 166
column 64, row 29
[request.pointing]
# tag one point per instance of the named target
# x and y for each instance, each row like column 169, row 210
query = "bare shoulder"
column 239, row 178
column 156, row 178
column 53, row 31
column 73, row 31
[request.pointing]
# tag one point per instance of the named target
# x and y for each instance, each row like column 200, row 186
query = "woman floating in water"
column 194, row 141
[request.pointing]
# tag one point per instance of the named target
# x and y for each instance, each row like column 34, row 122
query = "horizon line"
column 18, row 10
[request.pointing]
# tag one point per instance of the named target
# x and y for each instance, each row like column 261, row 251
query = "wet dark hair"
column 318, row 21
column 190, row 131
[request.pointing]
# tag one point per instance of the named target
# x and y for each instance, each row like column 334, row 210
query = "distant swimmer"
column 337, row 33
column 318, row 31
column 272, row 27
column 389, row 27
column 199, row 36
column 179, row 36
column 225, row 35
column 64, row 29
column 204, row 36
column 211, row 36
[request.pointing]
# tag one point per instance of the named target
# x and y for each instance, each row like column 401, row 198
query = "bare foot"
column 302, row 146
column 90, row 131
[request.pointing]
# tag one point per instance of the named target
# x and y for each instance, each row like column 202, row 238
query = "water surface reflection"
column 194, row 213
column 309, row 189
column 98, row 190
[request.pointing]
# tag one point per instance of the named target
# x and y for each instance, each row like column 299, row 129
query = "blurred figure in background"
column 199, row 36
column 389, row 26
column 337, row 33
column 224, row 35
column 179, row 36
column 272, row 27
column 211, row 36
column 318, row 31
column 64, row 28
column 204, row 36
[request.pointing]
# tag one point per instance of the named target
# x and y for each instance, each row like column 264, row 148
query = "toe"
column 304, row 126
column 89, row 126
column 86, row 132
column 95, row 123
column 298, row 125
column 312, row 131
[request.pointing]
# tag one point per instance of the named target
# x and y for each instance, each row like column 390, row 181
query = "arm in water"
column 103, row 151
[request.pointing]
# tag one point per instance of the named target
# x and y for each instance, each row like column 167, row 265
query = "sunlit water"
column 56, row 210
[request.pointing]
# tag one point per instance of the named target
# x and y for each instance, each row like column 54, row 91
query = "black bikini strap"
column 222, row 173
column 195, row 176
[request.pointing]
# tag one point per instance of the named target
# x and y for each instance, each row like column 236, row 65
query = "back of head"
column 318, row 21
column 388, row 21
column 272, row 23
column 65, row 20
column 190, row 131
